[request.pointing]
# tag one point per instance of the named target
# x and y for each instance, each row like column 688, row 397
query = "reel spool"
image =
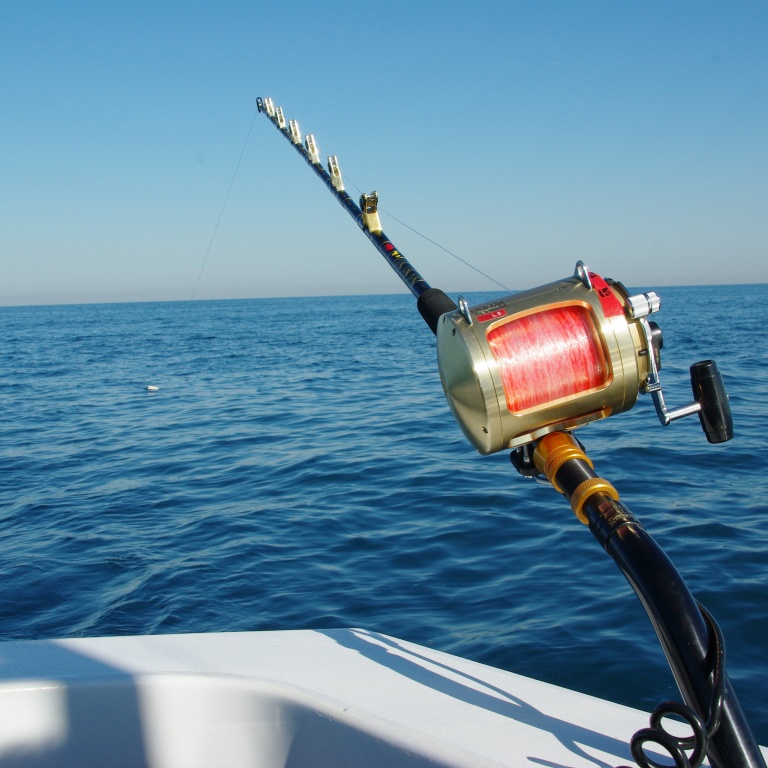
column 557, row 357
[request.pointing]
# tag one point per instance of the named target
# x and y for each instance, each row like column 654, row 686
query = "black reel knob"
column 709, row 392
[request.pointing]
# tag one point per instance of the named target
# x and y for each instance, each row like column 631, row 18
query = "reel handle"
column 709, row 392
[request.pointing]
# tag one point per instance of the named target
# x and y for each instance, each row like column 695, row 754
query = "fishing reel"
column 558, row 357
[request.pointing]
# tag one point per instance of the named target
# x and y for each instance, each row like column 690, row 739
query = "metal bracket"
column 582, row 272
column 464, row 309
column 312, row 150
column 335, row 173
column 293, row 127
column 369, row 206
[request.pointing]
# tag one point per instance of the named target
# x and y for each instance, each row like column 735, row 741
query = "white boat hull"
column 287, row 699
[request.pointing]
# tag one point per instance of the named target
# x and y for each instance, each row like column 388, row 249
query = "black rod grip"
column 679, row 625
column 432, row 304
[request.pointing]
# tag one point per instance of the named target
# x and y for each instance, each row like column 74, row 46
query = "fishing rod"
column 522, row 372
column 432, row 303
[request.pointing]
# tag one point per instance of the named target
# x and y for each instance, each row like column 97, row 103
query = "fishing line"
column 548, row 355
column 430, row 240
column 224, row 205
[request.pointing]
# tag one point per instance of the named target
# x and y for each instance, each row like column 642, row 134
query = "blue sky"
column 520, row 135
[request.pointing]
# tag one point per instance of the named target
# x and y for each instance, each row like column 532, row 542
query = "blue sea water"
column 298, row 467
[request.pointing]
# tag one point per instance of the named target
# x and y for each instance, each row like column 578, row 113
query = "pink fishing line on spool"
column 548, row 355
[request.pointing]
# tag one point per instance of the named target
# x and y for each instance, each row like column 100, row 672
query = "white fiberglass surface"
column 187, row 721
column 346, row 697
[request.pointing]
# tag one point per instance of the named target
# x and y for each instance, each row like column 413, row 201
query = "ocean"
column 297, row 467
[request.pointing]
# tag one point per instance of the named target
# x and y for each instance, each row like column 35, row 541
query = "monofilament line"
column 430, row 240
column 224, row 205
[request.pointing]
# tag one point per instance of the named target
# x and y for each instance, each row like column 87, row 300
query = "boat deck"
column 307, row 698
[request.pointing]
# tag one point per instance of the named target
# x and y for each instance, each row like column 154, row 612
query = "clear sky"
column 522, row 136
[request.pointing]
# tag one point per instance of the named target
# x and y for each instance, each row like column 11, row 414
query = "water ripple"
column 298, row 467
